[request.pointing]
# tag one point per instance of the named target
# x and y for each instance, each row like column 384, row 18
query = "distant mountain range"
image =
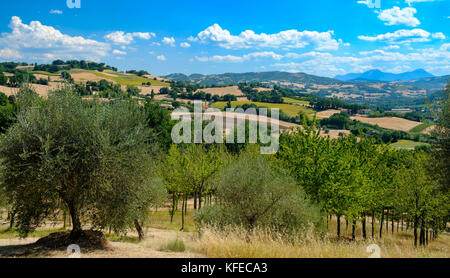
column 377, row 75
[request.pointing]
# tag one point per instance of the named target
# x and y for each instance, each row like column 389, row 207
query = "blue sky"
column 322, row 37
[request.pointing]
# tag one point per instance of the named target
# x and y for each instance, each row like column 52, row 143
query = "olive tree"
column 94, row 158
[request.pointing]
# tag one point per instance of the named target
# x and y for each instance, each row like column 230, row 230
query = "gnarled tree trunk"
column 76, row 222
column 139, row 230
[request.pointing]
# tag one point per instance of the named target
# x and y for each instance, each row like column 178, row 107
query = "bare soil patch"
column 327, row 113
column 335, row 133
column 147, row 90
column 221, row 91
column 87, row 76
column 41, row 90
column 389, row 122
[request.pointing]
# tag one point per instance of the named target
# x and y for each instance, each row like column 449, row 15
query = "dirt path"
column 149, row 248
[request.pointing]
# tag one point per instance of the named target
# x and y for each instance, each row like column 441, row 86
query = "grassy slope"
column 125, row 79
column 122, row 79
column 295, row 101
column 45, row 73
column 422, row 127
column 407, row 144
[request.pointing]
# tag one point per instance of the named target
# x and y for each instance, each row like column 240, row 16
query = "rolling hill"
column 268, row 76
column 364, row 91
column 377, row 75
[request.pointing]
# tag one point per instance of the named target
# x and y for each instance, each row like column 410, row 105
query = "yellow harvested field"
column 261, row 89
column 87, row 76
column 41, row 90
column 335, row 133
column 327, row 113
column 221, row 91
column 147, row 90
column 167, row 97
column 43, row 76
column 8, row 91
column 389, row 122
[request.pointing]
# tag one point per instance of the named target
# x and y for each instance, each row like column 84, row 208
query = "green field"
column 45, row 73
column 408, row 144
column 421, row 127
column 289, row 109
column 295, row 101
column 124, row 79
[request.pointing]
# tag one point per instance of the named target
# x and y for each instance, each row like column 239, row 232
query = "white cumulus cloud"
column 284, row 39
column 404, row 36
column 397, row 16
column 36, row 41
column 170, row 41
column 161, row 57
column 120, row 37
column 243, row 58
column 119, row 52
column 8, row 53
column 185, row 45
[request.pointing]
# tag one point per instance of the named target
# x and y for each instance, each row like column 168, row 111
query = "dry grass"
column 233, row 244
column 41, row 90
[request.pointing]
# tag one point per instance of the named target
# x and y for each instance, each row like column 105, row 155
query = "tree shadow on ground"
column 89, row 241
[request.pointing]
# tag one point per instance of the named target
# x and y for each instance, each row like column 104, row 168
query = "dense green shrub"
column 253, row 193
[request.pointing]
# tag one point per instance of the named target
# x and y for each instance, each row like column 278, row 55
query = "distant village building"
column 402, row 110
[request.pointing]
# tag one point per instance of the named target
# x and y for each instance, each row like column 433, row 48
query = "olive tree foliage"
column 94, row 158
column 253, row 192
column 130, row 186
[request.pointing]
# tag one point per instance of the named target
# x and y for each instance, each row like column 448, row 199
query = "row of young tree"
column 59, row 65
column 360, row 180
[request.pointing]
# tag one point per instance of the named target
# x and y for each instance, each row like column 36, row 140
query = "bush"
column 253, row 193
